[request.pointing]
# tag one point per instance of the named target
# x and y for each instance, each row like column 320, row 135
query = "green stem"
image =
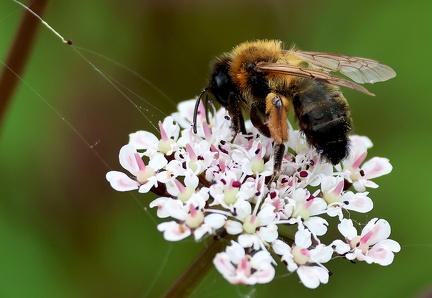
column 196, row 271
column 18, row 54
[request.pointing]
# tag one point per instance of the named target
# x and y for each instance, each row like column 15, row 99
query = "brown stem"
column 197, row 270
column 19, row 54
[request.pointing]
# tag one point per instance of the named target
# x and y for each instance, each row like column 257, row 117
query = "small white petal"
column 235, row 252
column 216, row 221
column 143, row 140
column 145, row 188
column 312, row 276
column 175, row 209
column 120, row 181
column 321, row 253
column 172, row 231
column 317, row 225
column 233, row 227
column 247, row 240
column 201, row 231
column 269, row 233
column 157, row 161
column 266, row 215
column 303, row 238
column 347, row 229
column 340, row 246
column 243, row 209
column 281, row 247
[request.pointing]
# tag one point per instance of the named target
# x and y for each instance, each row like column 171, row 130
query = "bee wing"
column 360, row 70
column 310, row 73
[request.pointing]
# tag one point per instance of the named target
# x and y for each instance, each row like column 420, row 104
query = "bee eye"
column 251, row 66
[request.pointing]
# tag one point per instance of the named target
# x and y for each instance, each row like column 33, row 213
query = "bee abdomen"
column 323, row 115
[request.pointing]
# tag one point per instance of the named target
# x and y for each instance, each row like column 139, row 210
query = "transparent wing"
column 360, row 70
column 310, row 73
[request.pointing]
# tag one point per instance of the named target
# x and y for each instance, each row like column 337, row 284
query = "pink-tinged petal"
column 160, row 204
column 358, row 202
column 339, row 188
column 376, row 167
column 382, row 252
column 130, row 159
column 143, row 140
column 191, row 152
column 264, row 274
column 261, row 262
column 173, row 231
column 121, row 182
column 359, row 160
column 312, row 276
column 164, row 135
column 224, row 265
column 207, row 131
column 375, row 231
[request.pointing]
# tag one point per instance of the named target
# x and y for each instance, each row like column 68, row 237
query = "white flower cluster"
column 210, row 183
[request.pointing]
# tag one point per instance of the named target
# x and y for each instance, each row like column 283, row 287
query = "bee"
column 263, row 79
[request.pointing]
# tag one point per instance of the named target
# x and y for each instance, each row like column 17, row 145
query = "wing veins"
column 310, row 73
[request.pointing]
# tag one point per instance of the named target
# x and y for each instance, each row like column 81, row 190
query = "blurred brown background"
column 65, row 233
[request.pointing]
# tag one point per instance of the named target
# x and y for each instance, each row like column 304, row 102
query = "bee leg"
column 259, row 118
column 279, row 150
column 277, row 108
column 234, row 109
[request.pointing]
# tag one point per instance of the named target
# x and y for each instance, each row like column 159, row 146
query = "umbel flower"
column 214, row 184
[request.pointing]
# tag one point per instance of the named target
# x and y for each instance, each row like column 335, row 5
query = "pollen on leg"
column 277, row 107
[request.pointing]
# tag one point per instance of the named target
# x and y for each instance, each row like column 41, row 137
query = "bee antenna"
column 195, row 115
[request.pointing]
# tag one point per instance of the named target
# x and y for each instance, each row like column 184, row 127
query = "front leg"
column 277, row 108
column 234, row 108
column 259, row 118
column 278, row 153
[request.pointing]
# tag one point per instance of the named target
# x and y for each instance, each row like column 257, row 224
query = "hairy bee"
column 264, row 79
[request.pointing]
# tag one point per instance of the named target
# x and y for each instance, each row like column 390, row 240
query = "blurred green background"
column 65, row 233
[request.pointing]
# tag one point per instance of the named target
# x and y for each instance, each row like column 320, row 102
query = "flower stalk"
column 18, row 54
column 197, row 270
